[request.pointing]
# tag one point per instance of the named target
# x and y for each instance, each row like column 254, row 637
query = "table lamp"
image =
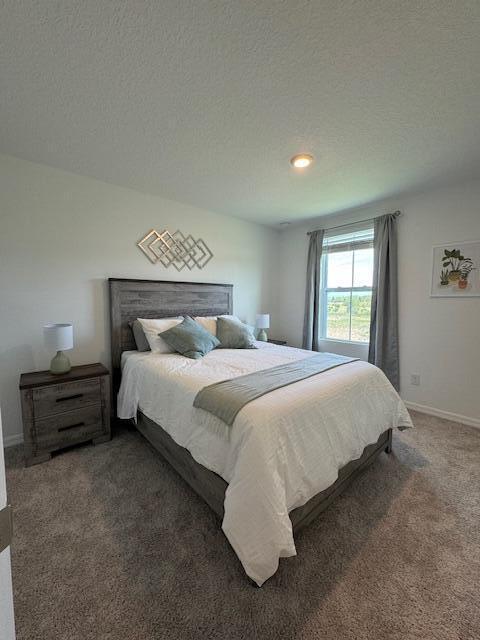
column 263, row 322
column 59, row 338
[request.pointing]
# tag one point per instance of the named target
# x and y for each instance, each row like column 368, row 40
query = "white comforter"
column 282, row 449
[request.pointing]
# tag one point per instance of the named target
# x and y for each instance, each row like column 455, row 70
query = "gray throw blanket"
column 225, row 399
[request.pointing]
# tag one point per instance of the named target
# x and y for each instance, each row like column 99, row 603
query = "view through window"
column 346, row 283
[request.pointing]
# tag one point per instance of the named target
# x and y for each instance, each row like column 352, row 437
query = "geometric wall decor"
column 175, row 249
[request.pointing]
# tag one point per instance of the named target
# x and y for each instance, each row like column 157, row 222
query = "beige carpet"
column 111, row 544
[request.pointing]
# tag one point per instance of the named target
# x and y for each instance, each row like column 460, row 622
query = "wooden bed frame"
column 131, row 299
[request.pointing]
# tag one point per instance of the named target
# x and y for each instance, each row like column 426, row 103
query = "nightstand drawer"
column 58, row 398
column 68, row 428
column 65, row 409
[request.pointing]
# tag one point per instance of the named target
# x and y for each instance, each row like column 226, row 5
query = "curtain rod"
column 349, row 224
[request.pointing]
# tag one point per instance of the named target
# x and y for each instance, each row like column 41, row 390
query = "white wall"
column 63, row 235
column 439, row 337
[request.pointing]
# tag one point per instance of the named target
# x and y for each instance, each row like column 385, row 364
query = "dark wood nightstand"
column 61, row 410
column 283, row 343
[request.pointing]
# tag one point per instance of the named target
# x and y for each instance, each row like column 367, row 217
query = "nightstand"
column 61, row 410
column 283, row 343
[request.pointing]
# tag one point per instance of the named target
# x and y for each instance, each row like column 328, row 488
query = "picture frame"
column 456, row 270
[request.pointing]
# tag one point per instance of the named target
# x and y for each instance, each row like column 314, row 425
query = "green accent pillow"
column 233, row 334
column 190, row 339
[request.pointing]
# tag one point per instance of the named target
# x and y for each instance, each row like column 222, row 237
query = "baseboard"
column 447, row 415
column 10, row 441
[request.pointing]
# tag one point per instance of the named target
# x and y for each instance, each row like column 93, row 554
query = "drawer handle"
column 72, row 426
column 77, row 395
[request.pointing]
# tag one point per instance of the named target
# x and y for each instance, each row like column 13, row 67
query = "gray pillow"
column 233, row 334
column 139, row 335
column 190, row 339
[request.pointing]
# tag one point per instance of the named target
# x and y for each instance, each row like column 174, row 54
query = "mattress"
column 282, row 448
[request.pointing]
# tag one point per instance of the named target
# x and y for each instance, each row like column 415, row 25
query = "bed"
column 264, row 496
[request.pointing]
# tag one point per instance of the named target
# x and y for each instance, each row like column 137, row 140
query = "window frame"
column 324, row 290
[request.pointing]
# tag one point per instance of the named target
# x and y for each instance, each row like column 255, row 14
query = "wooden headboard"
column 131, row 299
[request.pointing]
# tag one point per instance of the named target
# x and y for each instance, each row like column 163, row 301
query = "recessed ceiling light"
column 302, row 161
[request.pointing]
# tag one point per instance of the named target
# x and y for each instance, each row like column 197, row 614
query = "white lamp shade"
column 263, row 321
column 58, row 337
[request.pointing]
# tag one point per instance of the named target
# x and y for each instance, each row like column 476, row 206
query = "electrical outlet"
column 415, row 379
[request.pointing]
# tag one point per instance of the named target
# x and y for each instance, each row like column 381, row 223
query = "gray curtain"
column 312, row 294
column 383, row 350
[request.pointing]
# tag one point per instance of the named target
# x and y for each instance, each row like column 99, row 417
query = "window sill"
column 355, row 342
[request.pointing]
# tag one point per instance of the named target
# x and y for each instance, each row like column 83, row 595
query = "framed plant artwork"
column 456, row 270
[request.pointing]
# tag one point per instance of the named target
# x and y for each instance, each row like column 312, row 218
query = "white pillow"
column 210, row 322
column 151, row 329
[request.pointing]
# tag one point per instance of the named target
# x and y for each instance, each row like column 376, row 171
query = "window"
column 346, row 285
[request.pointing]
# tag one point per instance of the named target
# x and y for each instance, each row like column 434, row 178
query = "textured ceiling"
column 205, row 101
